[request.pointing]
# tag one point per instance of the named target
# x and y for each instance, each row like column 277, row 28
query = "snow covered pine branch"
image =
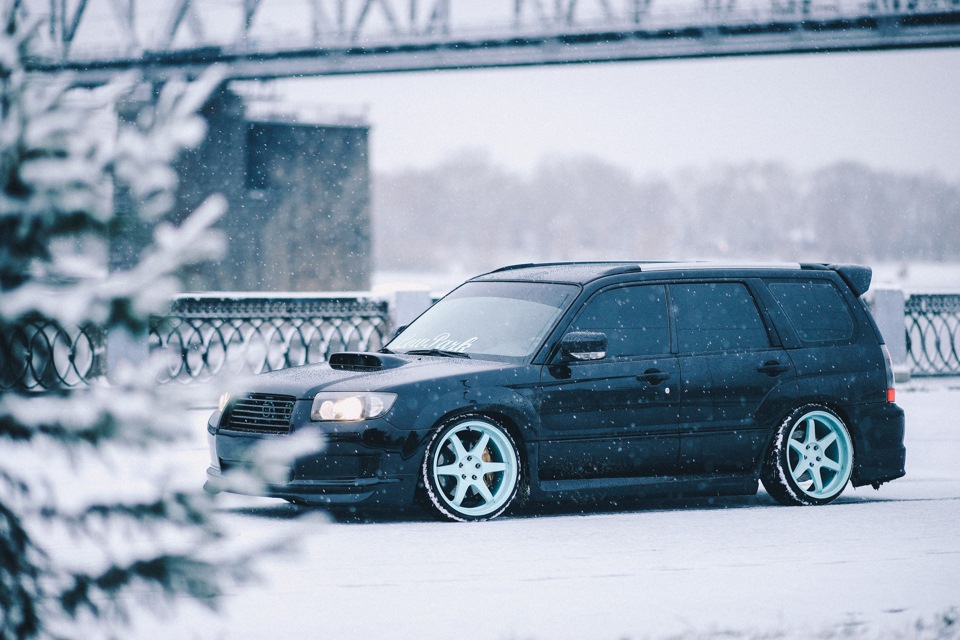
column 91, row 529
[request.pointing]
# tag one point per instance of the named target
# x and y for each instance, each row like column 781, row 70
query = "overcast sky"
column 892, row 110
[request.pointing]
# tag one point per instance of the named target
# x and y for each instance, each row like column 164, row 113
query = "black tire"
column 810, row 459
column 471, row 469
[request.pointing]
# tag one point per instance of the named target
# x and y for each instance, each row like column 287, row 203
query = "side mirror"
column 584, row 345
column 399, row 330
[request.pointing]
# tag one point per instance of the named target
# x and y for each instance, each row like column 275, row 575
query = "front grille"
column 259, row 413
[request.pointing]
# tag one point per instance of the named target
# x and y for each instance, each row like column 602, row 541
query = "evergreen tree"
column 90, row 527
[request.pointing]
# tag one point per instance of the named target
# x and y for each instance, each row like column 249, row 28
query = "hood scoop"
column 364, row 361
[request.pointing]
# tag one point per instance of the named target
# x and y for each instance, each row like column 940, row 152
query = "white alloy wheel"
column 811, row 459
column 471, row 469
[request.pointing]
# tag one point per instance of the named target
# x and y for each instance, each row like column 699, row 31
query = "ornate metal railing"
column 201, row 337
column 933, row 334
column 44, row 355
column 205, row 336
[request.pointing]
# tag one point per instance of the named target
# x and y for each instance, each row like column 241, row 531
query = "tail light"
column 888, row 365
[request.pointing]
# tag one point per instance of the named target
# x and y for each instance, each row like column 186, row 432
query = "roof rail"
column 615, row 265
column 706, row 264
column 511, row 267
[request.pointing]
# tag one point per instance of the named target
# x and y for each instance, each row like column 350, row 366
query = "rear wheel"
column 471, row 469
column 811, row 458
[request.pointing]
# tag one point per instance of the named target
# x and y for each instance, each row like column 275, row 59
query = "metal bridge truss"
column 282, row 38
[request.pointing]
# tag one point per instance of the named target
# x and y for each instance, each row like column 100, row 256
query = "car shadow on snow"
column 282, row 510
column 635, row 505
column 278, row 511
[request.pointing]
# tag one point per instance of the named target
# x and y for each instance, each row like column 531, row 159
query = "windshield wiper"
column 437, row 352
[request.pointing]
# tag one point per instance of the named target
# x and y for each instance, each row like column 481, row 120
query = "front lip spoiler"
column 330, row 491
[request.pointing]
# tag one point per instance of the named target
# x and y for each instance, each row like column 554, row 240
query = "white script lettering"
column 441, row 342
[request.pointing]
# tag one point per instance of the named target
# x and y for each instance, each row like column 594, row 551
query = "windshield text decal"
column 442, row 342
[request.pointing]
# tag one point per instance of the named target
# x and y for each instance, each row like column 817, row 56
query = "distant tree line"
column 469, row 214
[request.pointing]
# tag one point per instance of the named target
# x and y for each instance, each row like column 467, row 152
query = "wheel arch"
column 782, row 479
column 508, row 419
column 502, row 421
column 800, row 403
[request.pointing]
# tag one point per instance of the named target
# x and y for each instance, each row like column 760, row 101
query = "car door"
column 736, row 379
column 616, row 417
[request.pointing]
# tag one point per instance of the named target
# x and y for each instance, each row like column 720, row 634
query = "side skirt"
column 653, row 487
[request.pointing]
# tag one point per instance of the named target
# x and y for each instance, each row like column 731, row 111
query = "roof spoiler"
column 857, row 277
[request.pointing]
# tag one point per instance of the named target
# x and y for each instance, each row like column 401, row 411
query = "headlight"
column 344, row 407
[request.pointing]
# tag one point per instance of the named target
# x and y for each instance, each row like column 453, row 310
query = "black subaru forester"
column 593, row 379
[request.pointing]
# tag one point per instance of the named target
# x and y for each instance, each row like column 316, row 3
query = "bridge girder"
column 280, row 38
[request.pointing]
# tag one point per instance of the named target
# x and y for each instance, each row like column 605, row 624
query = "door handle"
column 653, row 376
column 773, row 368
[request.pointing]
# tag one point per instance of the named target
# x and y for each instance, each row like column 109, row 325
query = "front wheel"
column 471, row 469
column 811, row 458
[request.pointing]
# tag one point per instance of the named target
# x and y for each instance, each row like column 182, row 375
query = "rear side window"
column 633, row 318
column 719, row 316
column 816, row 309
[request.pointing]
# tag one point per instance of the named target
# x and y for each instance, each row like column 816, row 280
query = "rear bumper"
column 879, row 454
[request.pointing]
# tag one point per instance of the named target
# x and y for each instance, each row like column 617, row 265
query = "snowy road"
column 873, row 563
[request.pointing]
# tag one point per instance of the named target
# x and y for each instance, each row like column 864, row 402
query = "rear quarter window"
column 816, row 309
column 717, row 316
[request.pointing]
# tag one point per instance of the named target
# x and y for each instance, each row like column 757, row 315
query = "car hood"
column 378, row 372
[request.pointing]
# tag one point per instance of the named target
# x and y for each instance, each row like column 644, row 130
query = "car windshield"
column 488, row 320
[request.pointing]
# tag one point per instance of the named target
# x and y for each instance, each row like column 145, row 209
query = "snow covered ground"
column 871, row 565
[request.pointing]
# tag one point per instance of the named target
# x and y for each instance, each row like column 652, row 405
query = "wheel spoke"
column 817, row 480
column 457, row 446
column 830, row 464
column 796, row 445
column 481, row 445
column 448, row 470
column 493, row 467
column 828, row 440
column 484, row 491
column 798, row 471
column 811, row 436
column 461, row 492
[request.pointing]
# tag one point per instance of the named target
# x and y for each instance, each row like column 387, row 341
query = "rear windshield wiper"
column 437, row 352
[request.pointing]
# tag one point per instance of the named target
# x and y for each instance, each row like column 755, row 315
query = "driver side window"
column 634, row 320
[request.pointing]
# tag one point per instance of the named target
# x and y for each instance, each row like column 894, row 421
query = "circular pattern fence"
column 43, row 355
column 198, row 349
column 932, row 325
column 203, row 337
column 200, row 338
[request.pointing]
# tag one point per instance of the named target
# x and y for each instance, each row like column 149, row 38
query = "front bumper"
column 392, row 493
column 369, row 463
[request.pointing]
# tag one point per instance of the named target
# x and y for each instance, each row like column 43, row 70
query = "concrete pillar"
column 125, row 354
column 888, row 311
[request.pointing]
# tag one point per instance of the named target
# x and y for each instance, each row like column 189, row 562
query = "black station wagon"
column 551, row 381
